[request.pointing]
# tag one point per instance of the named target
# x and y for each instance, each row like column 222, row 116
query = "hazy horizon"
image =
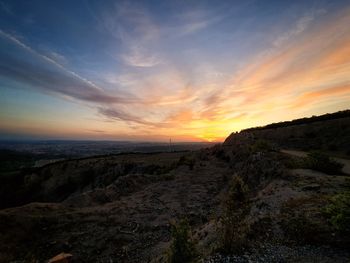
column 147, row 71
column 37, row 140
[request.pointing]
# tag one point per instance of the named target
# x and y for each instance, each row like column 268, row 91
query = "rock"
column 61, row 258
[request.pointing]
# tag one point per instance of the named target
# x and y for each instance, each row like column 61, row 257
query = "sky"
column 154, row 70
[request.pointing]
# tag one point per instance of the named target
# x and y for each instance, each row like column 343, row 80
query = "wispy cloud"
column 140, row 36
column 45, row 73
column 59, row 58
column 193, row 21
column 311, row 97
column 300, row 26
column 46, row 58
column 117, row 114
column 137, row 57
column 54, row 81
column 134, row 29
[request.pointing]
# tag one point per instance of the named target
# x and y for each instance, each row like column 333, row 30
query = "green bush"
column 182, row 248
column 339, row 211
column 323, row 163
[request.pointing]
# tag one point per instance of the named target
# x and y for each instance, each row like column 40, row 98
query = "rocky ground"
column 126, row 221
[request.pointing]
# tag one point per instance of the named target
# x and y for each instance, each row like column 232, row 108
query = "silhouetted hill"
column 324, row 117
column 329, row 132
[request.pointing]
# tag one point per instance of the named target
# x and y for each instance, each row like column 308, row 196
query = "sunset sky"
column 154, row 70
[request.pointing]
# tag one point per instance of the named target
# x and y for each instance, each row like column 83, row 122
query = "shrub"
column 182, row 248
column 233, row 228
column 237, row 193
column 323, row 163
column 339, row 211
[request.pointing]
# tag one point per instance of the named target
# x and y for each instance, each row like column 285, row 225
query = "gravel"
column 280, row 253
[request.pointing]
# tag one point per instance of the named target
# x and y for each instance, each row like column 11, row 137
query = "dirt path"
column 345, row 162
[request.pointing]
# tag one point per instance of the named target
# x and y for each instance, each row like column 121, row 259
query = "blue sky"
column 147, row 70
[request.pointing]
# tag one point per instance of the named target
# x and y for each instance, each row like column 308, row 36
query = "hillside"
column 329, row 132
column 259, row 197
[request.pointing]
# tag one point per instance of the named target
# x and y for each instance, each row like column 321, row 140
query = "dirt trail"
column 345, row 162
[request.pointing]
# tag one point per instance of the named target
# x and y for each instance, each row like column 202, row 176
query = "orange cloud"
column 314, row 96
column 183, row 116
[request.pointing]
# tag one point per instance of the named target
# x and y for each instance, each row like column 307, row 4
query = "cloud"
column 193, row 21
column 300, row 26
column 140, row 36
column 133, row 27
column 59, row 58
column 137, row 58
column 46, row 58
column 299, row 64
column 117, row 114
column 183, row 116
column 193, row 27
column 311, row 97
column 39, row 71
column 52, row 80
